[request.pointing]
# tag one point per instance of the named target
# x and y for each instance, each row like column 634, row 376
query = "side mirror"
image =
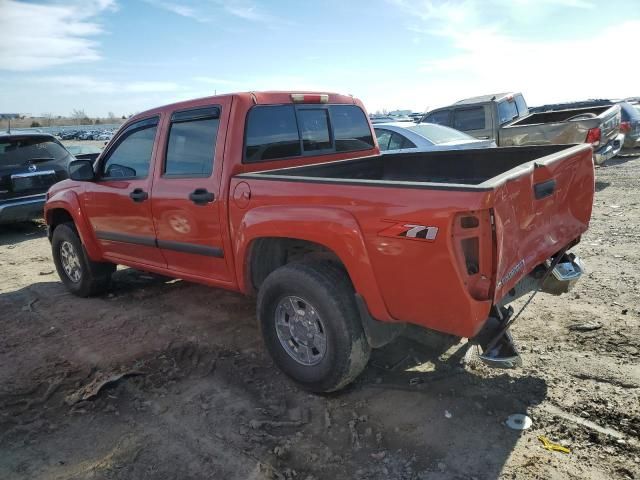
column 81, row 170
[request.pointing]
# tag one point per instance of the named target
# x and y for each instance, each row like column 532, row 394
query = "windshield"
column 438, row 134
column 17, row 150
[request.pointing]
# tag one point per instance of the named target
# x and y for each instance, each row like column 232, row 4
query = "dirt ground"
column 164, row 379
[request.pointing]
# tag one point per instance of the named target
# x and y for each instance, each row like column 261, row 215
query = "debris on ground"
column 551, row 446
column 100, row 381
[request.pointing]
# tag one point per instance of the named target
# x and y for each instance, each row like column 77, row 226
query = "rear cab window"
column 507, row 111
column 289, row 131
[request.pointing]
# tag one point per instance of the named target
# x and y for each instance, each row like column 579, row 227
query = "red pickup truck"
column 286, row 196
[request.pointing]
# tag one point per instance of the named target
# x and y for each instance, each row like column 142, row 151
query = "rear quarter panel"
column 401, row 279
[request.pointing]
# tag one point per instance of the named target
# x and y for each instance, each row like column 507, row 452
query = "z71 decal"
column 410, row 231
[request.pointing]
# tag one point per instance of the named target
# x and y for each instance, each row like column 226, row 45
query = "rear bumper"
column 561, row 279
column 21, row 209
column 609, row 150
column 632, row 142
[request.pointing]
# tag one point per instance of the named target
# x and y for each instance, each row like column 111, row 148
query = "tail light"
column 473, row 243
column 593, row 136
column 625, row 127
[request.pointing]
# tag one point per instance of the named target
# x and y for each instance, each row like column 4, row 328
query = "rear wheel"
column 311, row 327
column 81, row 275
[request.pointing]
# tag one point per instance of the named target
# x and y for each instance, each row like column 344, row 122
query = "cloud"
column 247, row 10
column 486, row 56
column 36, row 36
column 88, row 84
column 179, row 9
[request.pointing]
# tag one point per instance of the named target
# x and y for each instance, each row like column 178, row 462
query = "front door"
column 118, row 203
column 186, row 202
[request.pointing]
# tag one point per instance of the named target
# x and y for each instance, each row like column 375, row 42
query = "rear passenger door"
column 475, row 121
column 186, row 202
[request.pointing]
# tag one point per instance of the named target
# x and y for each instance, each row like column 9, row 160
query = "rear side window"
column 131, row 157
column 192, row 142
column 272, row 132
column 469, row 119
column 285, row 131
column 384, row 136
column 399, row 142
column 441, row 117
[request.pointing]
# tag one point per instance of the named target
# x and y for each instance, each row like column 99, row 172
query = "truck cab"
column 481, row 116
column 505, row 118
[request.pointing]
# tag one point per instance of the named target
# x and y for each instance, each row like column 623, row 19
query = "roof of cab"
column 484, row 98
column 257, row 98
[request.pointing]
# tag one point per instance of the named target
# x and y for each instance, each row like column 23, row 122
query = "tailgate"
column 610, row 126
column 539, row 211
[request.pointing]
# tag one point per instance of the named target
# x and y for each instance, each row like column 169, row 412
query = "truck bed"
column 559, row 115
column 468, row 169
column 522, row 205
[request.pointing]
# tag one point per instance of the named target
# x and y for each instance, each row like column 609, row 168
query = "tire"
column 87, row 278
column 325, row 295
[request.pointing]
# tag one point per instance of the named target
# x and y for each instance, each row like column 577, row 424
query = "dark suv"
column 29, row 165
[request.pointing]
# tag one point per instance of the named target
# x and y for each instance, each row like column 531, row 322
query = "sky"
column 126, row 56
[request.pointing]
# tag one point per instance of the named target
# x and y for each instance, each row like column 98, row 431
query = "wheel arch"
column 268, row 235
column 64, row 208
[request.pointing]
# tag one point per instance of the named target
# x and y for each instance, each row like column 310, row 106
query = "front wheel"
column 82, row 276
column 311, row 326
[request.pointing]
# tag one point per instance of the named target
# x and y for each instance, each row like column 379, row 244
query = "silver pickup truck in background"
column 505, row 118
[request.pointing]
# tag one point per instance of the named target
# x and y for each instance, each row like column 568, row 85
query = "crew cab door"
column 186, row 203
column 118, row 203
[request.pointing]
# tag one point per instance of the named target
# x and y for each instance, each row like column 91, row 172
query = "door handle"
column 544, row 189
column 138, row 195
column 201, row 196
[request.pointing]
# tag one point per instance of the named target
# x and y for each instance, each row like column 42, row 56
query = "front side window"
column 192, row 142
column 469, row 119
column 131, row 156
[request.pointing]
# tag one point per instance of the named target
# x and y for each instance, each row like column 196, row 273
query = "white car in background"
column 424, row 137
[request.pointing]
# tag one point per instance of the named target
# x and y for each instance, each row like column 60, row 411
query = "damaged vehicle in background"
column 424, row 137
column 29, row 164
column 505, row 118
column 629, row 121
